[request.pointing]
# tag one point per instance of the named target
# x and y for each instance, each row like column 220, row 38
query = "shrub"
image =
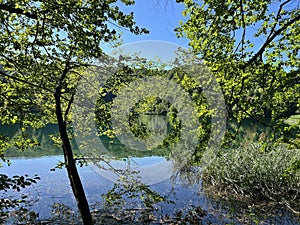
column 259, row 174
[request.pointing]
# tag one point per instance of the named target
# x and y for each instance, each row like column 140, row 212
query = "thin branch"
column 29, row 83
column 244, row 26
column 277, row 17
column 35, row 38
column 254, row 118
column 272, row 37
column 166, row 6
column 25, row 82
column 69, row 105
column 18, row 11
column 238, row 46
column 99, row 158
column 118, row 26
column 70, row 101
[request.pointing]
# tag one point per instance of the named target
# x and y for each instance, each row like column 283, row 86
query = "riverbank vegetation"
column 46, row 48
column 256, row 174
column 252, row 50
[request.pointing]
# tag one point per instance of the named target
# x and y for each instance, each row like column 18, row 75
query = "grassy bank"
column 257, row 175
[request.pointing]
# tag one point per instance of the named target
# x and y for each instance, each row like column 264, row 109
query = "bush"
column 260, row 174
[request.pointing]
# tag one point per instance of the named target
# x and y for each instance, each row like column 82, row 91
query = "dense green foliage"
column 253, row 49
column 150, row 114
column 43, row 46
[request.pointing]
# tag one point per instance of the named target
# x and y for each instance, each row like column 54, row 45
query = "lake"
column 54, row 188
column 54, row 185
column 155, row 170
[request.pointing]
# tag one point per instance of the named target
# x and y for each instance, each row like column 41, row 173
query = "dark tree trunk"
column 74, row 178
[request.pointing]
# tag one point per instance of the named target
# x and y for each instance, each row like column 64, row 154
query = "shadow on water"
column 177, row 197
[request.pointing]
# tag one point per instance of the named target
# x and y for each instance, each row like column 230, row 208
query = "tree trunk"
column 73, row 175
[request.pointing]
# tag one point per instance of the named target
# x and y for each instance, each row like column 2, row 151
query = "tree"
column 43, row 46
column 253, row 49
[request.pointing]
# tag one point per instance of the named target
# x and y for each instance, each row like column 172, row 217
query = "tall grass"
column 257, row 174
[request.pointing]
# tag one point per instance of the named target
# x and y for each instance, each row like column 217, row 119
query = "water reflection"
column 182, row 188
column 152, row 170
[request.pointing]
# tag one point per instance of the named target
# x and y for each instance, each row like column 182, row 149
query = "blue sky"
column 160, row 17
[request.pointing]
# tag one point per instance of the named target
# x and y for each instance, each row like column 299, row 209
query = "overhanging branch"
column 18, row 11
column 271, row 38
column 277, row 17
column 25, row 81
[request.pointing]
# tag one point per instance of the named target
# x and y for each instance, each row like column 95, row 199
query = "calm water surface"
column 54, row 188
column 54, row 185
column 155, row 171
